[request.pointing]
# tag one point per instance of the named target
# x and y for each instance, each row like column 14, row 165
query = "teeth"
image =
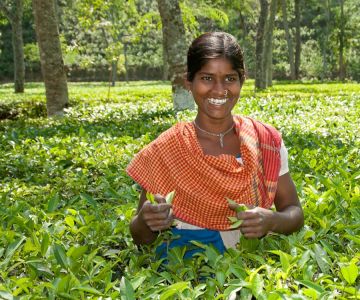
column 217, row 101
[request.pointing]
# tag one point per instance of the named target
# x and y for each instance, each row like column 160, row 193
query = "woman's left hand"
column 257, row 221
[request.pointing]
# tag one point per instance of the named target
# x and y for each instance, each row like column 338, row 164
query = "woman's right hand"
column 156, row 216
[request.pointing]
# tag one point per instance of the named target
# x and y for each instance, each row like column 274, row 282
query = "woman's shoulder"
column 265, row 131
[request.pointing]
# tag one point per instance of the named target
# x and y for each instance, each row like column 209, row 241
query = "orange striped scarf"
column 175, row 161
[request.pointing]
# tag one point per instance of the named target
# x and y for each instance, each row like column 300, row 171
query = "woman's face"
column 216, row 88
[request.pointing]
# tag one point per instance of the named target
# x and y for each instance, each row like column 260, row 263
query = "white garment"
column 284, row 166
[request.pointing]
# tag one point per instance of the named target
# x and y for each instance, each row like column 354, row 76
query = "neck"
column 214, row 125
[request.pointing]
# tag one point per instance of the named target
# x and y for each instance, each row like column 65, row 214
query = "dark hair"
column 214, row 45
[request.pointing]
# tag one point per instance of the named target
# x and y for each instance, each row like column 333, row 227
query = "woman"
column 216, row 157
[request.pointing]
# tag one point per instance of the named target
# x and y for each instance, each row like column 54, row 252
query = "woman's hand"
column 257, row 221
column 287, row 218
column 156, row 216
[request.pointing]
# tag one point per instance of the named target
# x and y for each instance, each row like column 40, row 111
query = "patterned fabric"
column 175, row 161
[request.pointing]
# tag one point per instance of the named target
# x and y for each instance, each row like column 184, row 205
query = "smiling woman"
column 216, row 157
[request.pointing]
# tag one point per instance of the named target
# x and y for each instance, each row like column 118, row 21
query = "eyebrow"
column 229, row 74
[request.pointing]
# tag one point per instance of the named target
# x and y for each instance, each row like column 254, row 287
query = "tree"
column 52, row 64
column 297, row 39
column 288, row 40
column 342, row 70
column 175, row 47
column 260, row 82
column 13, row 10
column 268, row 44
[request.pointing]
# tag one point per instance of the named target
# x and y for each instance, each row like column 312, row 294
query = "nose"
column 219, row 90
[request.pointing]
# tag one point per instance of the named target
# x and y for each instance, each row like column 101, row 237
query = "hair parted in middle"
column 215, row 45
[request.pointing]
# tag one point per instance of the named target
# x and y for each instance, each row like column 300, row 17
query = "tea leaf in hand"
column 169, row 197
column 151, row 198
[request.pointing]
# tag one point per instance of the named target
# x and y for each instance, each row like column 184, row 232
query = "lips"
column 217, row 102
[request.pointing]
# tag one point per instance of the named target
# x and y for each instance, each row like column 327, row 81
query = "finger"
column 258, row 221
column 160, row 207
column 156, row 225
column 252, row 235
column 159, row 198
column 233, row 206
column 245, row 215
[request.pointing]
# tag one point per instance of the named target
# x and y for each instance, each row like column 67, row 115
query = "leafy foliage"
column 67, row 202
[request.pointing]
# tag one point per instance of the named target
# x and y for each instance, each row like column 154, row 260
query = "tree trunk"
column 126, row 64
column 165, row 62
column 52, row 64
column 15, row 14
column 325, row 40
column 268, row 43
column 113, row 72
column 297, row 39
column 18, row 47
column 289, row 40
column 176, row 48
column 259, row 50
column 342, row 70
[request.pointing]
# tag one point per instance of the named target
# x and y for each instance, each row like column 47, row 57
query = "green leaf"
column 353, row 238
column 6, row 295
column 151, row 198
column 176, row 288
column 77, row 252
column 239, row 207
column 45, row 243
column 284, row 259
column 10, row 251
column 60, row 256
column 322, row 258
column 53, row 203
column 169, row 197
column 90, row 200
column 236, row 224
column 126, row 289
column 69, row 220
column 311, row 285
column 257, row 284
column 350, row 272
column 220, row 277
column 87, row 289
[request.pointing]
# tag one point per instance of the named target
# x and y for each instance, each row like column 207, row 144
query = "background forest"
column 310, row 39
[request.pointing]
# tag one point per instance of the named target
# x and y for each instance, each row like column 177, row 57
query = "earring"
column 226, row 92
column 190, row 92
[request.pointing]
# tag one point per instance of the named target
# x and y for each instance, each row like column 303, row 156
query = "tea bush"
column 66, row 201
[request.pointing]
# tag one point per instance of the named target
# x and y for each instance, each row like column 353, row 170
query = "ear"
column 187, row 83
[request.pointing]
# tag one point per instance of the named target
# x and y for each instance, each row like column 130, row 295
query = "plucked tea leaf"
column 151, row 198
column 169, row 197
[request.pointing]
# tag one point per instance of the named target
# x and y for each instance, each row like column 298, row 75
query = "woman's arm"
column 287, row 218
column 149, row 219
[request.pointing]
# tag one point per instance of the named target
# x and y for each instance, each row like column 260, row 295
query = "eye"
column 230, row 79
column 206, row 78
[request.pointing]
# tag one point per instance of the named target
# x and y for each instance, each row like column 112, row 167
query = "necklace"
column 220, row 135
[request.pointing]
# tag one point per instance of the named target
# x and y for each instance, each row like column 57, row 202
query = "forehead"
column 219, row 65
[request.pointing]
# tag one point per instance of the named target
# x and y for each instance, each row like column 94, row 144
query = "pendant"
column 221, row 140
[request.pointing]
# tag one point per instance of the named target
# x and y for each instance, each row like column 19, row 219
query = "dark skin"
column 217, row 76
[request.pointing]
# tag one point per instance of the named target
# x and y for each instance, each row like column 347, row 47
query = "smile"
column 217, row 101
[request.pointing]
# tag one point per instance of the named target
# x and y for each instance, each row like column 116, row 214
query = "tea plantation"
column 66, row 201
